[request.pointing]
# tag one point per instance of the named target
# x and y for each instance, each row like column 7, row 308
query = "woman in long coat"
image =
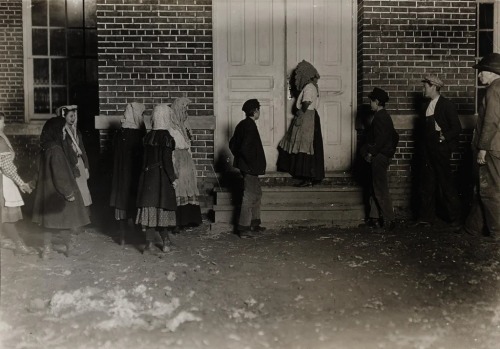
column 301, row 149
column 58, row 204
column 128, row 152
column 156, row 195
column 188, row 207
column 10, row 198
column 74, row 150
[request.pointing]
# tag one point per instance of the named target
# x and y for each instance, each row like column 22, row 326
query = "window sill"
column 24, row 129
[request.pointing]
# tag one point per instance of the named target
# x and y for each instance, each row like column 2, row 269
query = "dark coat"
column 155, row 183
column 381, row 137
column 446, row 116
column 247, row 149
column 55, row 183
column 487, row 130
column 128, row 153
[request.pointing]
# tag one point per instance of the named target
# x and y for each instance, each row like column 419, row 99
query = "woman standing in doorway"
column 75, row 151
column 10, row 198
column 301, row 149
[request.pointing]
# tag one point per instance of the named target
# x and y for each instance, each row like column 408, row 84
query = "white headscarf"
column 162, row 117
column 133, row 117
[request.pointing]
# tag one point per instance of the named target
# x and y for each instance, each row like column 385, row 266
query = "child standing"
column 156, row 195
column 250, row 159
column 128, row 152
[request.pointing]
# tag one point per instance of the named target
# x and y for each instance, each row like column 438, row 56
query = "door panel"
column 320, row 31
column 249, row 63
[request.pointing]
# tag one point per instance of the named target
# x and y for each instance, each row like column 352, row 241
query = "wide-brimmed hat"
column 490, row 63
column 378, row 94
column 433, row 80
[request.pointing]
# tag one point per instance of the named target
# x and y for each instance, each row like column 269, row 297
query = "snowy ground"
column 292, row 287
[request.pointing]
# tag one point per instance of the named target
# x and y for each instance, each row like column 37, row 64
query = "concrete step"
column 296, row 196
column 331, row 214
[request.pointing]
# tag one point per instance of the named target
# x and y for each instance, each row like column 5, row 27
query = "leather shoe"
column 390, row 225
column 421, row 224
column 257, row 228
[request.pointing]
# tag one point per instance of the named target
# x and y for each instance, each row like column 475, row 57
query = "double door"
column 257, row 44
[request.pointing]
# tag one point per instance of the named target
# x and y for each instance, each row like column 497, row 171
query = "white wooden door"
column 320, row 31
column 257, row 43
column 249, row 62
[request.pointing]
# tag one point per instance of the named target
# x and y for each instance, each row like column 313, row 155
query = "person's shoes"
column 455, row 224
column 22, row 249
column 166, row 242
column 257, row 228
column 466, row 232
column 390, row 225
column 46, row 252
column 244, row 232
column 370, row 223
column 421, row 224
column 148, row 247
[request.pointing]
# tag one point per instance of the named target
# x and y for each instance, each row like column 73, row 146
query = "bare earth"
column 292, row 287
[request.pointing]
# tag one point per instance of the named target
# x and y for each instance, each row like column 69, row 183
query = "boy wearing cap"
column 485, row 210
column 440, row 139
column 379, row 148
column 250, row 159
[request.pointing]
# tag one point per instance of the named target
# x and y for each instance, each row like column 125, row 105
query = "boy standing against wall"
column 250, row 159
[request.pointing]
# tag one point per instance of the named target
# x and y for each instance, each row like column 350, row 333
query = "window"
column 487, row 38
column 60, row 53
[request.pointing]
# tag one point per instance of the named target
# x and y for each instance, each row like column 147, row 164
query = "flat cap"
column 433, row 80
column 250, row 105
column 490, row 63
column 378, row 94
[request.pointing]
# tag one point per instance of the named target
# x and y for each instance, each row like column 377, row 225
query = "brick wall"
column 11, row 60
column 153, row 52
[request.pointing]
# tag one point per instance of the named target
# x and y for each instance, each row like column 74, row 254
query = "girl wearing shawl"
column 10, row 198
column 156, row 195
column 75, row 151
column 301, row 149
column 186, row 192
column 128, row 151
column 58, row 203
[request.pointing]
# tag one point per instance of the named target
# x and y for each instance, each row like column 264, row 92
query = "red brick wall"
column 153, row 52
column 11, row 60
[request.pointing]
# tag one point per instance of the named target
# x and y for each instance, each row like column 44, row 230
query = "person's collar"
column 436, row 98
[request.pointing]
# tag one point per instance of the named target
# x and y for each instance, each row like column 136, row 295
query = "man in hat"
column 378, row 149
column 485, row 210
column 250, row 159
column 440, row 139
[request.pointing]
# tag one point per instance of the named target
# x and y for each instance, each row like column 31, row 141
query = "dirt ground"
column 292, row 287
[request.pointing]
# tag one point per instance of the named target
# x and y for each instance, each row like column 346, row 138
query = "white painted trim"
column 27, row 67
column 354, row 79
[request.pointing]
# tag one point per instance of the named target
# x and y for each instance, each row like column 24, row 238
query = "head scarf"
column 180, row 119
column 52, row 132
column 162, row 117
column 133, row 116
column 304, row 73
column 4, row 136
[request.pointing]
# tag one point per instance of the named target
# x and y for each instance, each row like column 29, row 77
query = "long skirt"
column 302, row 165
column 153, row 217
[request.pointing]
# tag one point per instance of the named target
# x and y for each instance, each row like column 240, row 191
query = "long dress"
column 10, row 197
column 301, row 150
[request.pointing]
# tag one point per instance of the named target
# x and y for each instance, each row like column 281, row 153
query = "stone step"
column 325, row 195
column 340, row 214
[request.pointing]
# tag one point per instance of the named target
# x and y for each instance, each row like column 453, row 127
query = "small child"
column 250, row 159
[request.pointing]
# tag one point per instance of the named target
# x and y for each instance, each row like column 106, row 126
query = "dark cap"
column 250, row 105
column 490, row 63
column 433, row 80
column 379, row 94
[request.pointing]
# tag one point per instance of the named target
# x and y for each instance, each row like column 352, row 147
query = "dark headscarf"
column 52, row 133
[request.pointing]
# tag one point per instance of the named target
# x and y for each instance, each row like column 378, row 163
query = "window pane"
column 75, row 42
column 57, row 13
column 75, row 13
column 59, row 97
column 90, row 13
column 76, row 70
column 486, row 16
column 39, row 12
column 42, row 100
column 91, row 42
column 58, row 42
column 39, row 39
column 485, row 43
column 40, row 71
column 58, row 72
column 91, row 71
